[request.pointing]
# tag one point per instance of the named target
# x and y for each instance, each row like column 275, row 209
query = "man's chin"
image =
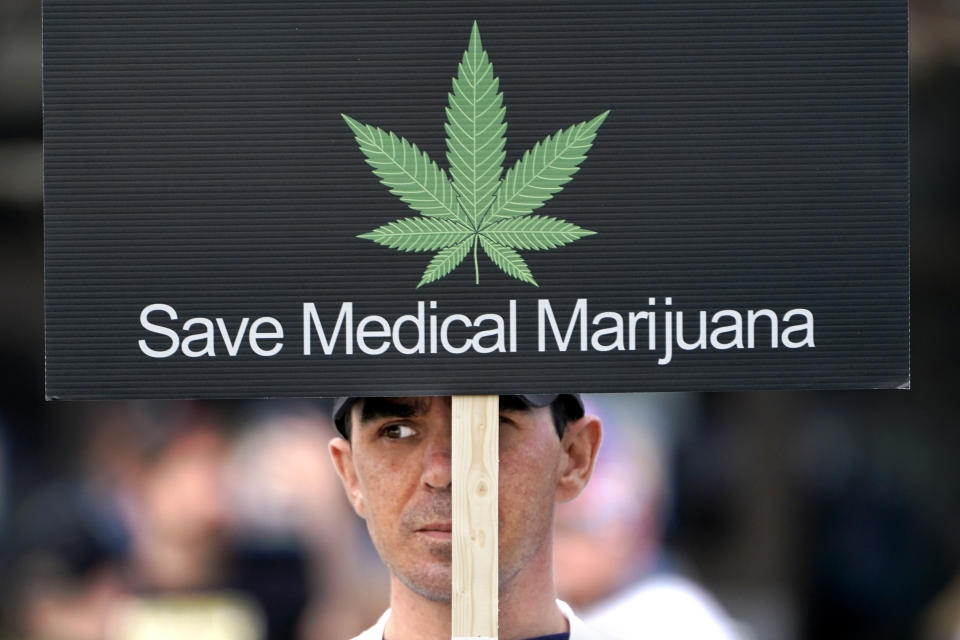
column 433, row 583
column 435, row 595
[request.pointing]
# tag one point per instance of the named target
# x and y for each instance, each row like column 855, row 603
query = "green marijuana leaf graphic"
column 480, row 206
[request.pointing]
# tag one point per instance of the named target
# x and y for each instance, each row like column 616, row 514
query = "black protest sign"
column 292, row 198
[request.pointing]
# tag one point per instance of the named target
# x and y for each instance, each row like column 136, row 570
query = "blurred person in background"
column 191, row 520
column 65, row 545
column 136, row 544
column 183, row 573
column 610, row 562
column 285, row 494
column 61, row 579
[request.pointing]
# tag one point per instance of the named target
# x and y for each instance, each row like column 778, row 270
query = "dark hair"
column 564, row 409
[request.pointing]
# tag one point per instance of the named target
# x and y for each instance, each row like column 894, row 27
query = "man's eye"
column 397, row 431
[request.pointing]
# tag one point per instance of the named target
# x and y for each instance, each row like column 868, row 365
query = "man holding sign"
column 394, row 458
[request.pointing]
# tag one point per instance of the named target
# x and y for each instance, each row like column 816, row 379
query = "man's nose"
column 437, row 462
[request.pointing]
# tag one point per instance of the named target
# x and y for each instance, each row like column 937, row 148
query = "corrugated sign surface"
column 606, row 197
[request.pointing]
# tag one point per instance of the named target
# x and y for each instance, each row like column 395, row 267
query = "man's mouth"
column 436, row 530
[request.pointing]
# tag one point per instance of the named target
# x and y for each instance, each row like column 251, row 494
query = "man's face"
column 397, row 471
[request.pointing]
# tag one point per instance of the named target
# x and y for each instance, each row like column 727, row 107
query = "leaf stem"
column 476, row 267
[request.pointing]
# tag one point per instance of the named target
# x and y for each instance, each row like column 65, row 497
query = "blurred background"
column 754, row 515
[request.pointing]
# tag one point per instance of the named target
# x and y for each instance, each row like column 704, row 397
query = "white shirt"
column 663, row 608
column 578, row 630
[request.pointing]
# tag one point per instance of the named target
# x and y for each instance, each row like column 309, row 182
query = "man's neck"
column 528, row 608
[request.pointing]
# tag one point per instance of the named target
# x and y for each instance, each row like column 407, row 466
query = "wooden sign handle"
column 474, row 478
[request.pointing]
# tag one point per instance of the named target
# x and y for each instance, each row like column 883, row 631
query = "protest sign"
column 701, row 195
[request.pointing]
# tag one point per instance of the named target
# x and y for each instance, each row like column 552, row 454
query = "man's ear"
column 342, row 455
column 580, row 444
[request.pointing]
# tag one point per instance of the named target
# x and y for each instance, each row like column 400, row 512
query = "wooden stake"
column 474, row 477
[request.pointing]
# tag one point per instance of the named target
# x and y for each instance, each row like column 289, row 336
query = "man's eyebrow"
column 374, row 408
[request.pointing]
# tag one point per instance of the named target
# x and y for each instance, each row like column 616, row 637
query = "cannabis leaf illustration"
column 477, row 205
